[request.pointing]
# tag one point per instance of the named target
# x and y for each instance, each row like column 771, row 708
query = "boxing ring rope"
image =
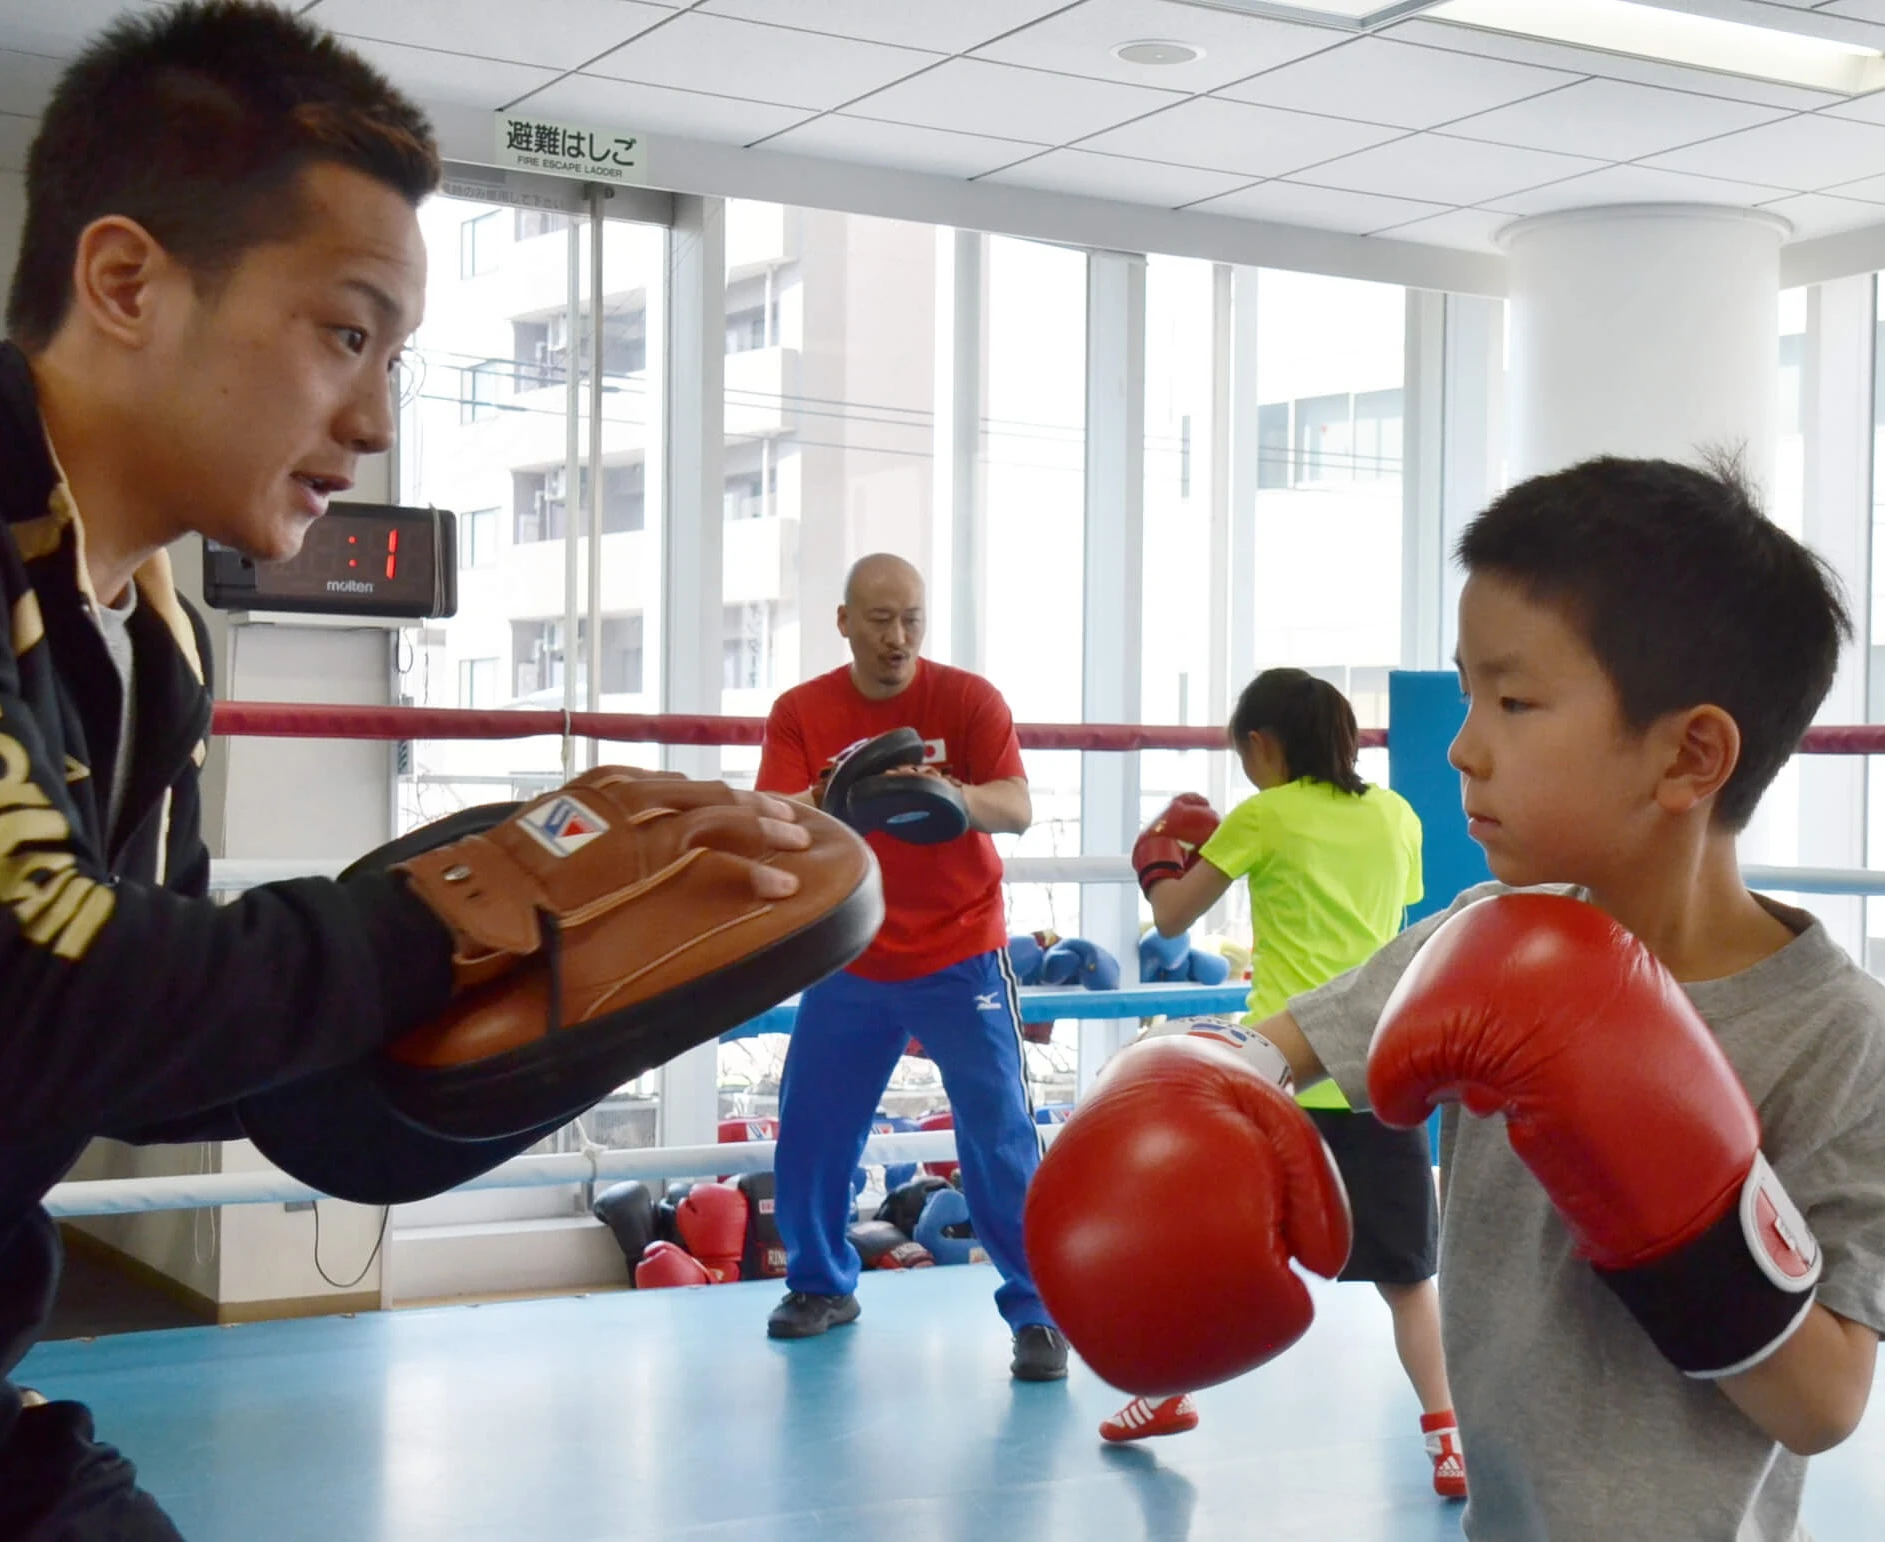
column 596, row 1164
column 290, row 720
column 295, row 720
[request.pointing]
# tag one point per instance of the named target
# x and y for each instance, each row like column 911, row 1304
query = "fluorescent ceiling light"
column 1679, row 37
column 1351, row 15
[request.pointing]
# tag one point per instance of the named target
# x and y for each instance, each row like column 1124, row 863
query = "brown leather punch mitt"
column 617, row 927
column 347, row 1133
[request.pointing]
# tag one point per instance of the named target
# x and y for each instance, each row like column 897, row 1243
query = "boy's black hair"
column 1309, row 718
column 1685, row 591
column 196, row 121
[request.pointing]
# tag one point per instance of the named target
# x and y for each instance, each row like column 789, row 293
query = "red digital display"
column 352, row 561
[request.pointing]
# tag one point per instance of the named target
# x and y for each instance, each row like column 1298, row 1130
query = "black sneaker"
column 803, row 1316
column 1040, row 1354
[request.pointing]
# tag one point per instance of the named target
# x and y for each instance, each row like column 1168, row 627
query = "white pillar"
column 1836, row 412
column 692, row 583
column 1111, row 663
column 1646, row 330
column 1472, row 436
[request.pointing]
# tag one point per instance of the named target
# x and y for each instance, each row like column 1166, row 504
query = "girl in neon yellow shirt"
column 1332, row 864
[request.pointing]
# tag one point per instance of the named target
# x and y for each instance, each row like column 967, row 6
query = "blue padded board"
column 1424, row 713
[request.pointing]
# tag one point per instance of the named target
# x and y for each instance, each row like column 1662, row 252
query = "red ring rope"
column 292, row 720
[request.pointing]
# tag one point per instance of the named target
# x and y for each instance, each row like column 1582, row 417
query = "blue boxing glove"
column 1162, row 958
column 1207, row 968
column 945, row 1229
column 1075, row 960
column 1025, row 954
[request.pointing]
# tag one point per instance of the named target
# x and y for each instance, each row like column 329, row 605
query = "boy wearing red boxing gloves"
column 1663, row 1270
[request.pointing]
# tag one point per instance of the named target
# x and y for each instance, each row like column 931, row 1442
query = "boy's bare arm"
column 1810, row 1393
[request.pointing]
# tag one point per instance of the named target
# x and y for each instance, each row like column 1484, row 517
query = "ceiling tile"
column 1634, row 184
column 619, row 104
column 16, row 138
column 1588, row 61
column 560, row 36
column 1378, row 81
column 1320, row 208
column 1858, row 10
column 57, row 27
column 1820, row 214
column 1863, row 109
column 952, row 28
column 26, row 81
column 1872, row 189
column 1614, row 120
column 1469, row 230
column 1235, row 136
column 939, row 151
column 433, row 76
column 1438, row 169
column 1459, row 229
column 1117, row 176
column 772, row 64
column 1803, row 153
column 974, row 96
column 1080, row 41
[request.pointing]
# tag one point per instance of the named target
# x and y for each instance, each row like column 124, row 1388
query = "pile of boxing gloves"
column 1044, row 958
column 696, row 1234
column 920, row 1224
column 1170, row 960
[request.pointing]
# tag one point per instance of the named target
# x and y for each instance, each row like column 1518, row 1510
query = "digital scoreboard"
column 359, row 559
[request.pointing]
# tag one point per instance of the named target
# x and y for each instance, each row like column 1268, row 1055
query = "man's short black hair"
column 196, row 121
column 1685, row 591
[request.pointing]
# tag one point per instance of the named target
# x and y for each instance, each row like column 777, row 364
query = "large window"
column 1033, row 465
column 831, row 382
column 1178, row 564
column 1328, row 579
column 830, row 432
column 486, row 433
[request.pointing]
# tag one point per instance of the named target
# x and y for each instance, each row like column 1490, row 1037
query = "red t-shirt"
column 942, row 903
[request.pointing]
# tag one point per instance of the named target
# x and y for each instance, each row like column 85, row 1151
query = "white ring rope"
column 597, row 1164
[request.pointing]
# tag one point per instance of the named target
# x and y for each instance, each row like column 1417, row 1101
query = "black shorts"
column 1389, row 1177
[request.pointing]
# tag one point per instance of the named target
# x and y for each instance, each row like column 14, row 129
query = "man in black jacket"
column 220, row 265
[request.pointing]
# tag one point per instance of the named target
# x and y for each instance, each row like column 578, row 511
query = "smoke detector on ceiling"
column 1157, row 51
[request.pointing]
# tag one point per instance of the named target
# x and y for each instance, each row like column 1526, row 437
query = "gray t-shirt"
column 1573, row 1424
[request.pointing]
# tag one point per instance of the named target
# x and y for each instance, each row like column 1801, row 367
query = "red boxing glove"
column 1161, row 1223
column 1168, row 847
column 712, row 1224
column 1620, row 1101
column 665, row 1264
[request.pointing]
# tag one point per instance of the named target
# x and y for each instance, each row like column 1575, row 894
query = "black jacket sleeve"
column 124, row 1005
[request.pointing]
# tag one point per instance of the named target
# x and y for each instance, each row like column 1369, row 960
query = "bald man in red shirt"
column 937, row 972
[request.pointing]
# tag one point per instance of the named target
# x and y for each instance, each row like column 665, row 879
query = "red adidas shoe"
column 1145, row 1416
column 1449, row 1461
